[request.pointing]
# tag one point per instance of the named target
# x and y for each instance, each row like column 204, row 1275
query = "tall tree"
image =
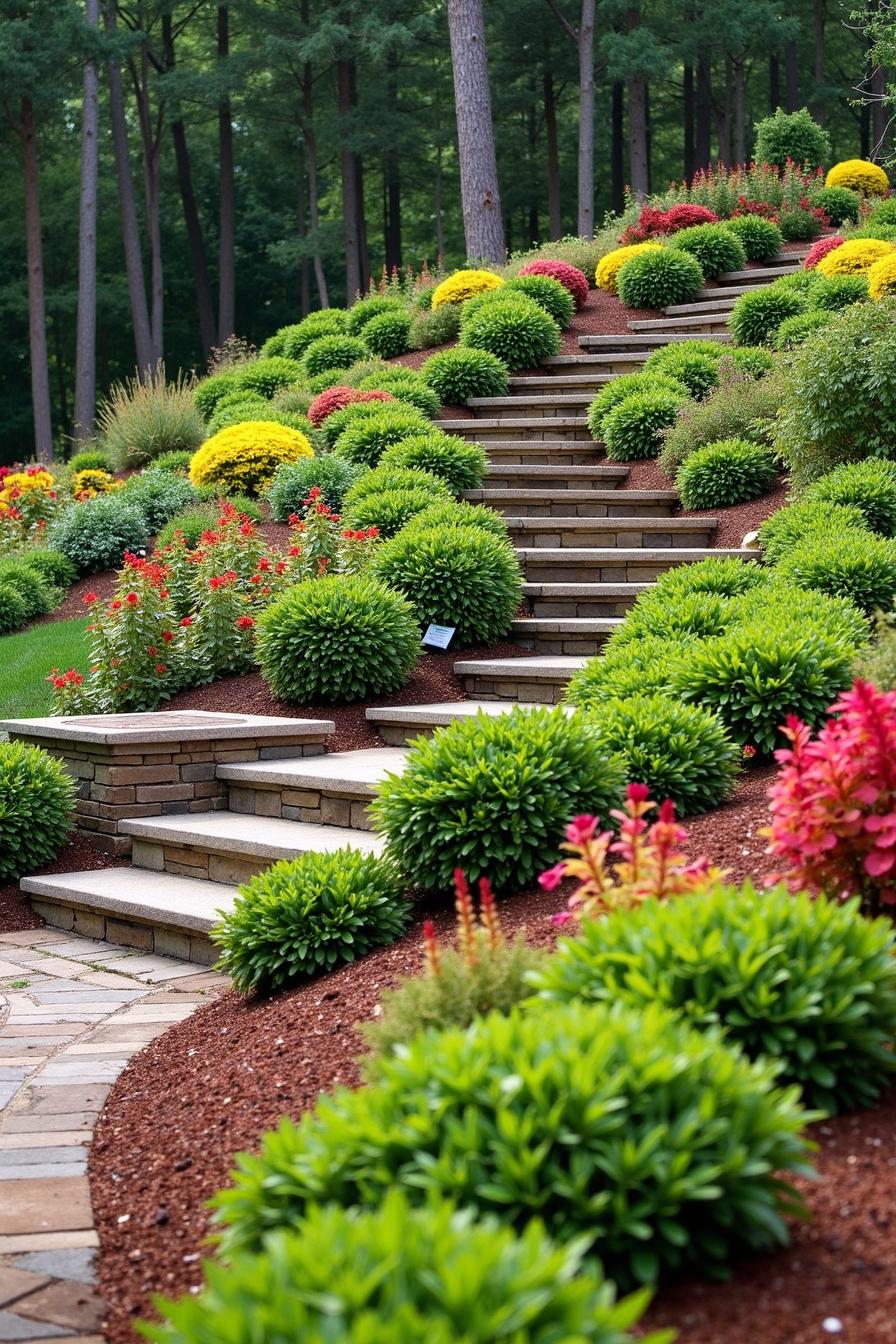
column 85, row 358
column 481, row 198
column 226, row 196
column 583, row 36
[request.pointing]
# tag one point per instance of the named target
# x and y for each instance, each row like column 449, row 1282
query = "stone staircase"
column 203, row 802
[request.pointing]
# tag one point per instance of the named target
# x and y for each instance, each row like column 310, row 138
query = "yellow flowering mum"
column 93, row 481
column 608, row 267
column 882, row 278
column 854, row 257
column 859, row 175
column 462, row 285
column 241, row 459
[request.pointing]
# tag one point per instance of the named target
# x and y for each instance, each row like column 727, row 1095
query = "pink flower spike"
column 553, row 877
column 581, row 829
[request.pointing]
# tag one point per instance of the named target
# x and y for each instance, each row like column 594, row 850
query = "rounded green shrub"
column 725, row 575
column 799, row 225
column 460, row 464
column 517, row 331
column 329, row 378
column 36, row 596
column 387, row 334
column 696, row 371
column 458, row 576
column 836, row 617
column 177, row 462
column 332, row 352
column 716, row 248
column 294, row 340
column 491, row 794
column 209, row 392
column 304, row 917
column 753, row 360
column 95, row 535
column 839, row 204
column 232, row 411
column 190, row 524
column 680, row 752
column 337, row 639
column 760, row 238
column 53, row 568
column 757, row 315
column 90, row 459
column 618, row 1100
column 794, row 330
column 725, row 473
column 340, row 420
column 332, row 475
column 672, row 615
column 548, row 293
column 634, row 427
column 786, row 528
column 459, row 515
column 830, row 293
column 869, row 486
column 848, row 564
column 756, row 674
column 267, row 376
column 803, row 980
column 434, row 327
column 160, row 495
column 388, row 510
column 461, row 373
column 400, row 1275
column 791, row 135
column 371, row 306
column 405, row 385
column 659, row 278
column 366, row 439
column 740, row 407
column 372, row 483
column 637, row 668
column 37, row 805
column 612, row 393
column 13, row 609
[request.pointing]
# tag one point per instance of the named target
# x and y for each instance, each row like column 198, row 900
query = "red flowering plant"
column 644, row 861
column 336, row 398
column 821, row 249
column 320, row 545
column 570, row 277
column 833, row 803
column 71, row 692
column 221, row 634
column 655, row 223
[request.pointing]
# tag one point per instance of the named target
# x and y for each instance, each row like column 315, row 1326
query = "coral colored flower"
column 133, row 599
column 115, row 606
column 89, row 598
column 160, row 668
column 167, row 636
column 244, row 623
column 187, row 622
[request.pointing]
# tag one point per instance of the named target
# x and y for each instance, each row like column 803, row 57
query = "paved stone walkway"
column 72, row 1012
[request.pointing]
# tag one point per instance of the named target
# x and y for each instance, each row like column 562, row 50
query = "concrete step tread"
column 624, row 524
column 546, row 667
column 186, row 903
column 536, row 382
column 537, row 398
column 523, row 422
column 436, row 714
column 237, row 833
column 624, row 554
column 723, row 305
column 574, row 472
column 694, row 323
column 574, row 625
column 786, row 264
column 629, row 341
column 570, row 496
column 350, row 772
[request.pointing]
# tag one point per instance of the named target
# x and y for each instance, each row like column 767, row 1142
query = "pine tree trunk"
column 310, row 140
column 688, row 117
column 481, row 198
column 85, row 340
column 130, row 231
column 349, row 185
column 226, row 199
column 586, row 120
column 790, row 72
column 702, row 142
column 774, row 83
column 392, row 181
column 37, row 319
column 617, row 153
column 555, row 216
column 740, row 110
column 637, row 138
column 150, row 138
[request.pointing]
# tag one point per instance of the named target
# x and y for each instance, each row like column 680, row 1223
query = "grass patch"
column 27, row 658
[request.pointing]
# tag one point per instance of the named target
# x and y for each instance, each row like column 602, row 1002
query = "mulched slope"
column 78, row 855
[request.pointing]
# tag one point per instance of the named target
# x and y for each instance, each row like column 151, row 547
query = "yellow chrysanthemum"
column 882, row 278
column 859, row 175
column 242, row 459
column 608, row 267
column 463, row 285
column 854, row 257
column 94, row 481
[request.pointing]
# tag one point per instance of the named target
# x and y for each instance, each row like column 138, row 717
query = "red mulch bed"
column 77, row 856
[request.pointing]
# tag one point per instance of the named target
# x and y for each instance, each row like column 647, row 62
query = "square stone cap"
column 169, row 725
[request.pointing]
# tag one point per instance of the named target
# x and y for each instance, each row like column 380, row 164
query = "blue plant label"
column 439, row 636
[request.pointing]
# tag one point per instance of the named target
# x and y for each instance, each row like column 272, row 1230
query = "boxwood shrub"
column 37, row 804
column 794, row 330
column 695, row 369
column 54, row 568
column 366, row 438
column 725, row 473
column 716, row 248
column 637, row 668
column 387, row 510
column 337, row 639
column 678, row 751
column 372, row 483
column 831, row 293
column 492, row 793
column 460, row 464
column 657, row 279
column 761, row 239
column 847, row 564
column 333, row 475
column 618, row 1100
column 459, row 576
column 458, row 374
column 95, row 535
column 292, row 341
column 459, row 514
column 371, row 306
column 757, row 315
column 805, row 980
column 13, row 609
column 627, row 385
column 405, row 385
column 869, row 486
column 518, row 332
column 785, row 529
column 304, row 917
column 36, row 595
column 633, row 429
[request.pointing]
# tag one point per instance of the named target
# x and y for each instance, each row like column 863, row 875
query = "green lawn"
column 26, row 659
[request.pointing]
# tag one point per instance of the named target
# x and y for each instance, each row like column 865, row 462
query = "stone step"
column 542, row 477
column 545, row 452
column 486, row 431
column 695, row 323
column 631, row 533
column 231, row 847
column 399, row 724
column 785, row 264
column 581, row 503
column 333, row 790
column 719, row 305
column 558, row 382
column 617, row 564
column 555, row 406
column 158, row 912
column 528, row 680
column 574, row 636
column 582, row 599
column 634, row 340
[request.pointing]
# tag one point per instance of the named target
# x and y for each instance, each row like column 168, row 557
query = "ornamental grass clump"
column 760, row 238
column 795, row 523
column 457, row 375
column 460, row 464
column 680, row 752
column 460, row 576
column 303, row 917
column 491, row 794
column 715, row 247
column 726, row 473
column 455, row 1112
column 337, row 639
column 242, row 459
column 757, row 315
column 657, row 279
column 365, row 438
column 518, row 332
column 833, row 802
column 634, row 428
column 740, row 407
column 869, row 486
column 609, row 397
column 144, row 417
column 848, row 564
column 804, row 981
column 37, row 805
column 636, row 668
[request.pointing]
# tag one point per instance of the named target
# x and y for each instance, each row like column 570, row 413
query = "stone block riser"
column 582, row 608
column 606, row 571
column 579, row 646
column 161, row 940
column 293, row 804
column 532, row 692
column 519, row 506
column 191, row 861
column 534, row 428
column 557, row 535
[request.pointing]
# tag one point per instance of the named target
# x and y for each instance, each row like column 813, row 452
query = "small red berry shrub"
column 687, row 216
column 336, row 398
column 654, row 223
column 833, row 803
column 821, row 249
column 570, row 277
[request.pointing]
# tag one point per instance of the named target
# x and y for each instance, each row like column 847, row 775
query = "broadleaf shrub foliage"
column 760, row 238
column 656, row 279
column 37, row 803
column 519, row 333
column 725, row 473
column 786, row 528
column 868, row 486
column 847, row 564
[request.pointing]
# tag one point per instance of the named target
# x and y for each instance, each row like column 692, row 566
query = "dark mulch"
column 729, row 834
column 735, row 521
column 73, row 604
column 76, row 856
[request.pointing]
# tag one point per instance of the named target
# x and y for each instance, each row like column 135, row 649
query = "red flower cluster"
column 570, row 277
column 834, row 802
column 365, row 534
column 654, row 223
column 245, row 623
column 336, row 398
column 221, row 580
column 59, row 680
column 821, row 249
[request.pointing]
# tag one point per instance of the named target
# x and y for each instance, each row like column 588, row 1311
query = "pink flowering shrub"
column 570, row 277
column 821, row 249
column 645, row 862
column 833, row 803
column 337, row 398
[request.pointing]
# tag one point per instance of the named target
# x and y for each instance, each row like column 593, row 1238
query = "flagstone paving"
column 72, row 1013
